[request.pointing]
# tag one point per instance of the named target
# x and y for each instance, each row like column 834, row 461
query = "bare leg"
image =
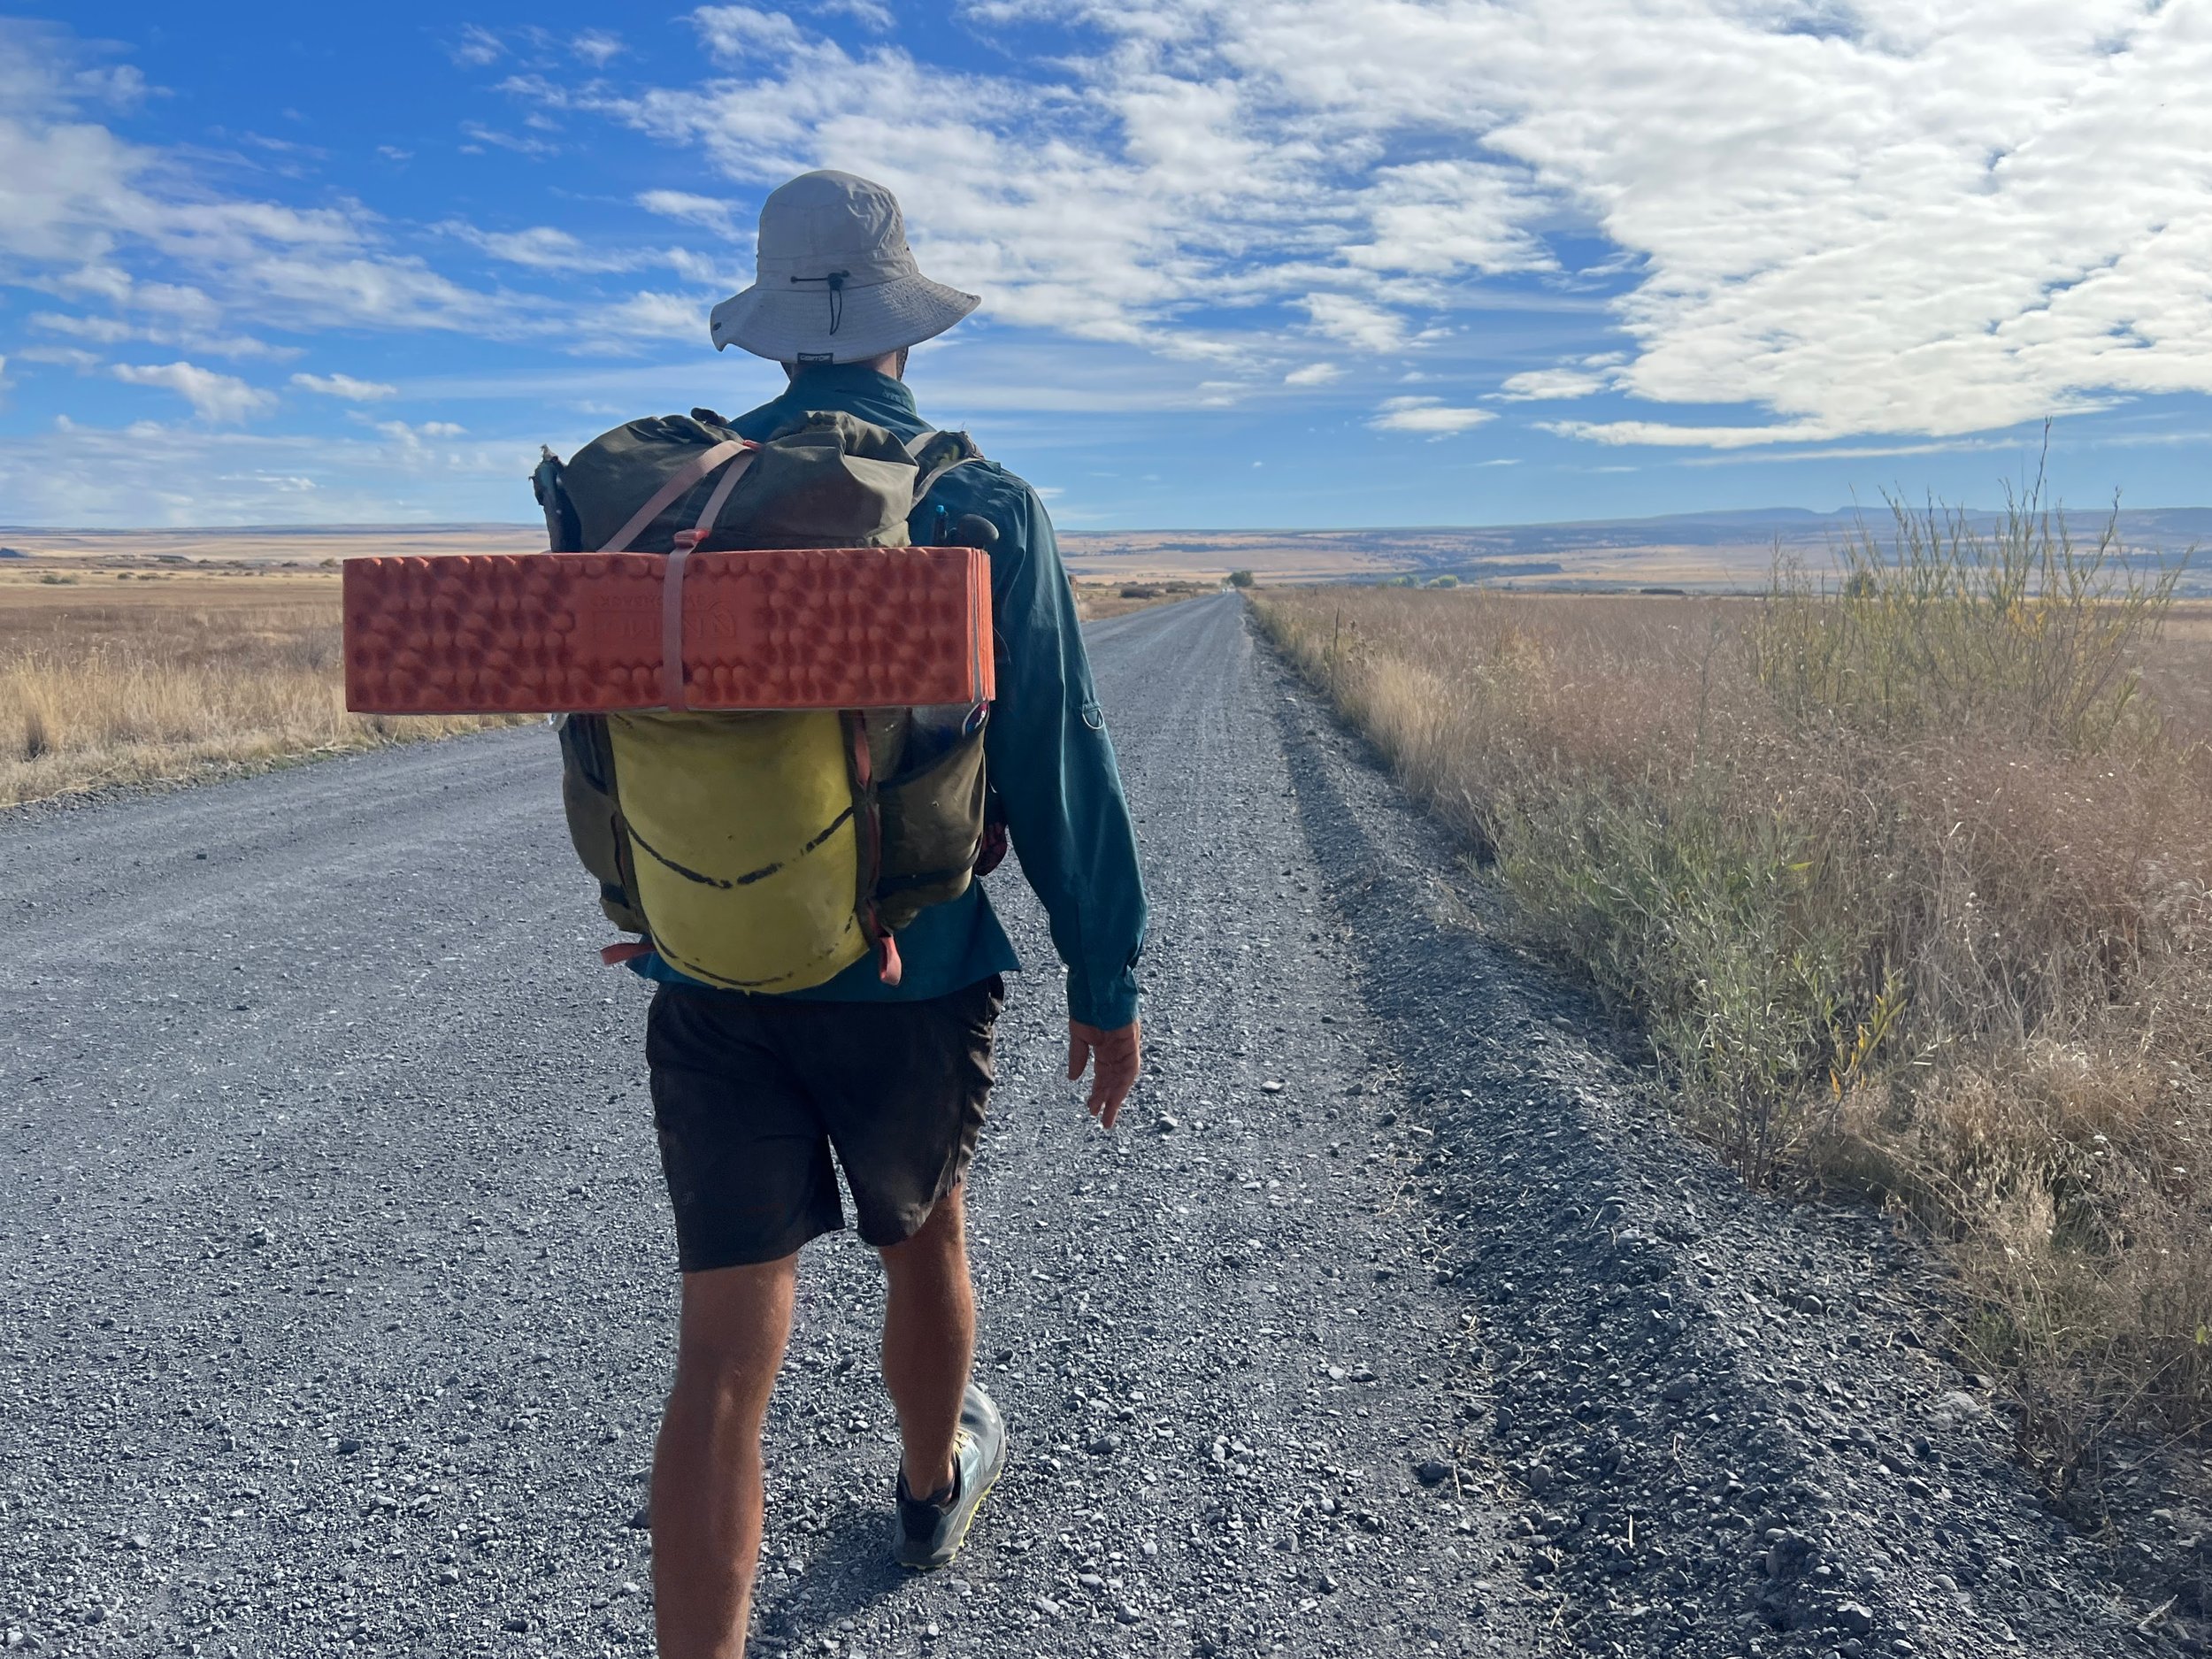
column 929, row 1341
column 707, row 1492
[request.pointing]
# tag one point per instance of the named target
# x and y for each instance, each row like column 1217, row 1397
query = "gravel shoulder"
column 339, row 1287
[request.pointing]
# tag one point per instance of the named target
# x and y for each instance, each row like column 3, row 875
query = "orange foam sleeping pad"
column 581, row 633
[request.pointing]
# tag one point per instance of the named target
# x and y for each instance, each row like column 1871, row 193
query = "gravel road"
column 336, row 1283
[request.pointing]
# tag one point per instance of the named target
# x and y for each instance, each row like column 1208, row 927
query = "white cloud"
column 106, row 330
column 222, row 397
column 1438, row 218
column 872, row 13
column 645, row 316
column 736, row 33
column 1313, row 374
column 1925, row 222
column 1917, row 220
column 1583, row 378
column 1356, row 322
column 188, row 305
column 540, row 248
column 1111, row 243
column 345, row 387
column 406, row 434
column 150, row 471
column 697, row 209
column 476, row 47
column 521, row 143
column 597, row 47
column 69, row 356
column 1429, row 415
column 1660, row 432
column 83, row 211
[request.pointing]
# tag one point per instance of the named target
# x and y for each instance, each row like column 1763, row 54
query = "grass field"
column 125, row 676
column 1910, row 893
column 158, row 670
column 1094, row 601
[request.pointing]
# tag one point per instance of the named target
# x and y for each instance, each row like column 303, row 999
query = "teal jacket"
column 1047, row 749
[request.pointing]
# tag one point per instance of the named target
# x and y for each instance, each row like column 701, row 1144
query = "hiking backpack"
column 768, row 851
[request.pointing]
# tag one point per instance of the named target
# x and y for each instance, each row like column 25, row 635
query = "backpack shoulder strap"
column 678, row 483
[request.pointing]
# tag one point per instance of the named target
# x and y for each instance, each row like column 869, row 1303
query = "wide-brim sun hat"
column 834, row 281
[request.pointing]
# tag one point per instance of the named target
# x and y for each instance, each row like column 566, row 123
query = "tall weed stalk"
column 1904, row 876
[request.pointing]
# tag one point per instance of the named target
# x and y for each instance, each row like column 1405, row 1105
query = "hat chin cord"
column 835, row 281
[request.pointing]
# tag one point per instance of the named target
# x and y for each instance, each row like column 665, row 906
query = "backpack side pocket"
column 933, row 831
column 594, row 819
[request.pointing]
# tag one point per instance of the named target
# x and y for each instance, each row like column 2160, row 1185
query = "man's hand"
column 1114, row 1058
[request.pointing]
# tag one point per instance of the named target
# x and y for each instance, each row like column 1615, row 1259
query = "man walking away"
column 752, row 1093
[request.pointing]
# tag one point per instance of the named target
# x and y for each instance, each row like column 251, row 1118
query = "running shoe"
column 927, row 1532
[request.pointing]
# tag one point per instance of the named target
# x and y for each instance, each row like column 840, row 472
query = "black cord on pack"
column 836, row 280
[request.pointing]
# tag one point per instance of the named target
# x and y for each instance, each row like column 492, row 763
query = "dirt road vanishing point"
column 337, row 1286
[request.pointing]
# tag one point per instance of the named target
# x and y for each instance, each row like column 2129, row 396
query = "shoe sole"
column 960, row 1542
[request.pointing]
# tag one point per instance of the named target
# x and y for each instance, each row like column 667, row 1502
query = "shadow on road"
column 849, row 1572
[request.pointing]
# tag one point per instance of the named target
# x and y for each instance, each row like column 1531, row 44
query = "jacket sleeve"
column 1053, row 766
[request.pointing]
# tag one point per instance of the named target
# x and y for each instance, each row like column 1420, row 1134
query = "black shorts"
column 751, row 1094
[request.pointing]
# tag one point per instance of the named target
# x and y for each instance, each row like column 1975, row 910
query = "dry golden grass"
column 111, row 676
column 1095, row 601
column 1959, row 958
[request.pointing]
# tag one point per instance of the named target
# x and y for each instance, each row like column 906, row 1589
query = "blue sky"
column 1288, row 262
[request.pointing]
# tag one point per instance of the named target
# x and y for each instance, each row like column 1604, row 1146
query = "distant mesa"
column 12, row 553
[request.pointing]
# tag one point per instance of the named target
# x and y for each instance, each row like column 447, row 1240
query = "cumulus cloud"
column 1116, row 242
column 1429, row 415
column 1439, row 218
column 82, row 211
column 213, row 397
column 1313, row 374
column 1565, row 381
column 1917, row 221
column 1356, row 322
column 736, row 33
column 190, row 474
column 345, row 387
column 1929, row 221
column 646, row 315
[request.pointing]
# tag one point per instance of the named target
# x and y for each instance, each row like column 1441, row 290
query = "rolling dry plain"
column 190, row 656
